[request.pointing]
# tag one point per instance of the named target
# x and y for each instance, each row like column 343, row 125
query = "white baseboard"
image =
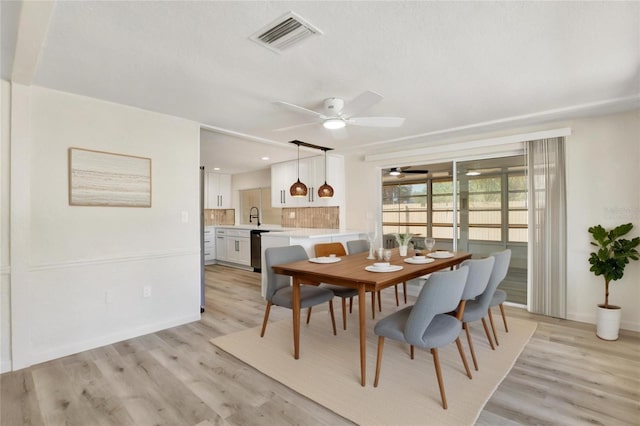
column 86, row 345
column 5, row 367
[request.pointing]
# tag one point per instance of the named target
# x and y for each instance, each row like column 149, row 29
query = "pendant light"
column 298, row 189
column 325, row 190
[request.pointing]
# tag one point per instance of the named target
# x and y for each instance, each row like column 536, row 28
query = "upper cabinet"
column 217, row 191
column 312, row 174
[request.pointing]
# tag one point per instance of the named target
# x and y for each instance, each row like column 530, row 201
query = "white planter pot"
column 403, row 250
column 608, row 322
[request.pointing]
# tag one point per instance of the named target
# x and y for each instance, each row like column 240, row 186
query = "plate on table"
column 418, row 261
column 440, row 254
column 390, row 268
column 325, row 259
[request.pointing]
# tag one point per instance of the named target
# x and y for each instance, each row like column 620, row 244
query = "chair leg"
column 436, row 363
column 504, row 318
column 373, row 304
column 395, row 287
column 309, row 314
column 379, row 360
column 486, row 331
column 463, row 357
column 473, row 353
column 404, row 291
column 350, row 304
column 411, row 351
column 344, row 313
column 333, row 318
column 493, row 327
column 266, row 318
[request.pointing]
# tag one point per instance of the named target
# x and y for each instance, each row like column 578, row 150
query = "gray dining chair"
column 359, row 246
column 499, row 297
column 427, row 324
column 279, row 291
column 477, row 281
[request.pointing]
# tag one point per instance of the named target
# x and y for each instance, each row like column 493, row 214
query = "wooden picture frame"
column 99, row 178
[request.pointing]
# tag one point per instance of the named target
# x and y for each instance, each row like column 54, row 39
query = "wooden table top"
column 350, row 271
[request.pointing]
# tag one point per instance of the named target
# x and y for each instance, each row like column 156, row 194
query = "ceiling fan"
column 336, row 114
column 398, row 171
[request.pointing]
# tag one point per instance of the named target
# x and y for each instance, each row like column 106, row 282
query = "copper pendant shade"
column 298, row 189
column 325, row 190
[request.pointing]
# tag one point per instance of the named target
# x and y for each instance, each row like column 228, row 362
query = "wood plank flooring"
column 565, row 375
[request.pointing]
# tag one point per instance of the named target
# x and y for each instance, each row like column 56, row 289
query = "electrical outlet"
column 292, row 215
column 146, row 291
column 185, row 216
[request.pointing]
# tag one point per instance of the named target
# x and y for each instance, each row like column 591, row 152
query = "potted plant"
column 613, row 255
column 403, row 242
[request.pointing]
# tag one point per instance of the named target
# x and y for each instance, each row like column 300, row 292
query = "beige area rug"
column 328, row 370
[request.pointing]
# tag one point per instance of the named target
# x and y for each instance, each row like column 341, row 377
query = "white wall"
column 5, row 265
column 603, row 186
column 77, row 273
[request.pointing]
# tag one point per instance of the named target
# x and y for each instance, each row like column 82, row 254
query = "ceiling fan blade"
column 376, row 121
column 300, row 109
column 295, row 126
column 419, row 172
column 361, row 103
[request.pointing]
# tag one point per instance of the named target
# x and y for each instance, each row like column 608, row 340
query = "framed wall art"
column 98, row 178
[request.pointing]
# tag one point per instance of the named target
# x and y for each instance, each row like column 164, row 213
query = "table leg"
column 296, row 318
column 363, row 333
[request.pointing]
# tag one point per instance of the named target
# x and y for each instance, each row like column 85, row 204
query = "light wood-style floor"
column 565, row 375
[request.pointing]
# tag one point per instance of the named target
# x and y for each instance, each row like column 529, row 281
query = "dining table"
column 350, row 272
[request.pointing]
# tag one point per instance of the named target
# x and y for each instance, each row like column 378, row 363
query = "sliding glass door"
column 490, row 208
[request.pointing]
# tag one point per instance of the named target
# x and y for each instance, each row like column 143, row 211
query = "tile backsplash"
column 214, row 217
column 311, row 217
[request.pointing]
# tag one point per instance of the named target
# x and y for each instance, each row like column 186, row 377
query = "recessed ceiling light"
column 265, row 158
column 216, row 168
column 472, row 173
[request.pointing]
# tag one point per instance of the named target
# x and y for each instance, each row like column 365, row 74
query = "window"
column 404, row 208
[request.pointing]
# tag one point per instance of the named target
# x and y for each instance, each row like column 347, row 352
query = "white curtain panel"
column 547, row 280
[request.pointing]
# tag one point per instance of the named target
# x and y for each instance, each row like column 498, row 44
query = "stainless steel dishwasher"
column 256, row 249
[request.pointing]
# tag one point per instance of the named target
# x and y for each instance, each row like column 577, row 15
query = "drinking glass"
column 387, row 255
column 429, row 243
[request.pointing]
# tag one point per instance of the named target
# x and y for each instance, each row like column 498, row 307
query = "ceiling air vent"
column 285, row 32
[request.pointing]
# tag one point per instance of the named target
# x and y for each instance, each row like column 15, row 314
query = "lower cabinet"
column 233, row 245
column 209, row 246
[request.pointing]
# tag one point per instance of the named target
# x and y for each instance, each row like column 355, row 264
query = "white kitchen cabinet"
column 239, row 249
column 221, row 244
column 283, row 175
column 233, row 245
column 209, row 245
column 217, row 194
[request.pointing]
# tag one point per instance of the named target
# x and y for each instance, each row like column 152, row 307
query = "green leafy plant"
column 613, row 253
column 403, row 239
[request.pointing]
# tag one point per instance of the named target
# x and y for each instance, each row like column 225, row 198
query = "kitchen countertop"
column 279, row 231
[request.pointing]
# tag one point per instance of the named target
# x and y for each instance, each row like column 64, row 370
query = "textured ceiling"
column 445, row 66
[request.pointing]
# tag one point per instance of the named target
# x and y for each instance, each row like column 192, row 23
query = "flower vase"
column 403, row 250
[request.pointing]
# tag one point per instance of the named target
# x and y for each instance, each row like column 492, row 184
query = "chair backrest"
column 479, row 273
column 277, row 256
column 357, row 246
column 388, row 241
column 499, row 272
column 440, row 294
column 325, row 249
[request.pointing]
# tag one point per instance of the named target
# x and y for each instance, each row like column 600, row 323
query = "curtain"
column 547, row 227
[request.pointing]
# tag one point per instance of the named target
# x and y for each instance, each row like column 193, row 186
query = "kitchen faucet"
column 254, row 216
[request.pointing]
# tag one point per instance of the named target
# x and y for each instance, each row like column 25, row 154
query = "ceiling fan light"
column 325, row 191
column 394, row 172
column 333, row 123
column 298, row 189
